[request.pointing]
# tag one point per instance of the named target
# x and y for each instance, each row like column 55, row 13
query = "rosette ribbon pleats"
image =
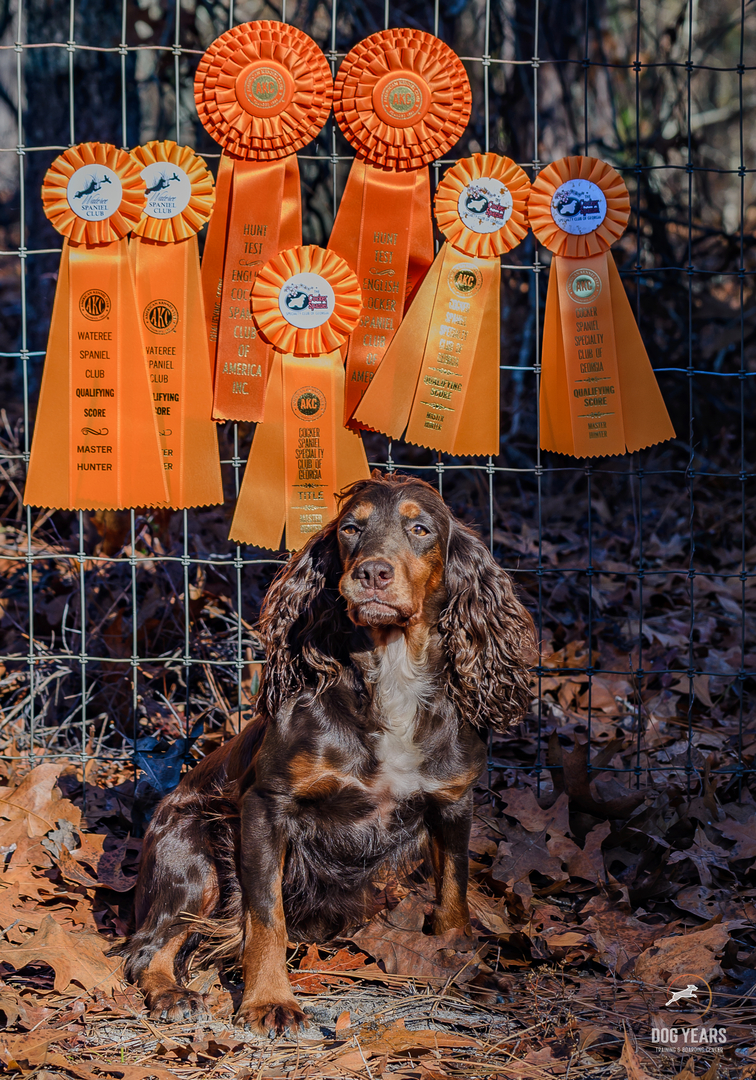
column 438, row 384
column 165, row 257
column 263, row 91
column 96, row 444
column 305, row 302
column 402, row 99
column 599, row 394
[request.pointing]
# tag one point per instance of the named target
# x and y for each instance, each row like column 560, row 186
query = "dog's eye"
column 349, row 530
column 419, row 530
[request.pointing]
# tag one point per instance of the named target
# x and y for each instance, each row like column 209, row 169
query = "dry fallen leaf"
column 74, row 957
column 631, row 1061
column 695, row 953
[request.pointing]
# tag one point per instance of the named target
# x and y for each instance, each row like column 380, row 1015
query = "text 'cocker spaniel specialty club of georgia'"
column 392, row 639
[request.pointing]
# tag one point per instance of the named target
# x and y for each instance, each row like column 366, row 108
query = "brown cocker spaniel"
column 391, row 640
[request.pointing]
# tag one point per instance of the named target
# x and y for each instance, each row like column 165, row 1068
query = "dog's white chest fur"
column 401, row 687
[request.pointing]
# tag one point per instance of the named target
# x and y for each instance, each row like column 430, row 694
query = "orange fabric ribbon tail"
column 301, row 456
column 440, row 377
column 599, row 395
column 169, row 295
column 264, row 216
column 215, row 248
column 96, row 444
column 383, row 231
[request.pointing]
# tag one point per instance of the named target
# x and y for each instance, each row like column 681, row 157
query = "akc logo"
column 308, row 404
column 161, row 317
column 94, row 305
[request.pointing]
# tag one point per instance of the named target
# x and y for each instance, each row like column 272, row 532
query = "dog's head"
column 395, row 557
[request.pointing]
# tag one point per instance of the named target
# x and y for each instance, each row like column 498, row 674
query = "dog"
column 392, row 638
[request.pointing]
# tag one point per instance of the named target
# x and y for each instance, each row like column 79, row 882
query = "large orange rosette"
column 96, row 444
column 165, row 257
column 263, row 91
column 438, row 385
column 306, row 302
column 402, row 99
column 599, row 394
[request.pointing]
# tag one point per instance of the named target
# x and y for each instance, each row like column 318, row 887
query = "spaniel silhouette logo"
column 306, row 300
column 578, row 207
column 94, row 192
column 161, row 317
column 485, row 205
column 308, row 404
column 683, row 1021
column 95, row 305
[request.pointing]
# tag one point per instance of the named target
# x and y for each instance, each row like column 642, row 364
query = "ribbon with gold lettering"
column 263, row 91
column 165, row 256
column 402, row 99
column 599, row 394
column 438, row 385
column 95, row 444
column 305, row 302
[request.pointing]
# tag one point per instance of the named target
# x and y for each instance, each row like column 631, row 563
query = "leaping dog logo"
column 162, row 183
column 93, row 186
column 690, row 992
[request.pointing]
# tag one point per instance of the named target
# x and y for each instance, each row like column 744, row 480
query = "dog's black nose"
column 374, row 573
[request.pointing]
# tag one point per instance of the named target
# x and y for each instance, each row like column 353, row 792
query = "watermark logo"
column 683, row 1022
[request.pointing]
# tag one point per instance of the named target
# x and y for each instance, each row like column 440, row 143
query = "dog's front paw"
column 270, row 1018
column 177, row 1003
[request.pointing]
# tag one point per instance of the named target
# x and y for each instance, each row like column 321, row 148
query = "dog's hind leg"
column 178, row 879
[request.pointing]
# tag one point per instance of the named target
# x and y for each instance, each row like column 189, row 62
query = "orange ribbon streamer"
column 263, row 90
column 439, row 379
column 391, row 255
column 306, row 301
column 599, row 394
column 95, row 444
column 169, row 295
column 402, row 99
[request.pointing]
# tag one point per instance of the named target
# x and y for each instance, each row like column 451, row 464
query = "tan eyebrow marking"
column 363, row 511
column 409, row 509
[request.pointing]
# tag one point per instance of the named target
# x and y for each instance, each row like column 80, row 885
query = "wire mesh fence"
column 121, row 627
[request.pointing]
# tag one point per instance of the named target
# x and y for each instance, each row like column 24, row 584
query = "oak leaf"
column 696, row 953
column 74, row 957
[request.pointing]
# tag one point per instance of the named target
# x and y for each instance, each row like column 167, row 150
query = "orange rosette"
column 95, row 444
column 402, row 99
column 481, row 205
column 609, row 206
column 165, row 258
column 599, row 394
column 324, row 284
column 93, row 194
column 263, row 91
column 179, row 191
column 306, row 301
column 438, row 385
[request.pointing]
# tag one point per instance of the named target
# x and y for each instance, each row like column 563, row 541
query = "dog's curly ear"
column 303, row 622
column 488, row 636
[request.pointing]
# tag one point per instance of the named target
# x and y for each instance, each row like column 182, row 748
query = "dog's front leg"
column 268, row 1005
column 449, row 827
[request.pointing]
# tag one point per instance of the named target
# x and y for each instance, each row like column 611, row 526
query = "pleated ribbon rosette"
column 96, row 444
column 599, row 394
column 438, row 384
column 165, row 257
column 263, row 91
column 306, row 302
column 402, row 99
